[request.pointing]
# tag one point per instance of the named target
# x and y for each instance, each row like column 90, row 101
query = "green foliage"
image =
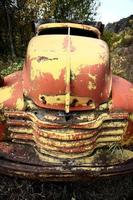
column 108, row 37
column 10, row 66
column 121, row 51
column 75, row 9
column 114, row 40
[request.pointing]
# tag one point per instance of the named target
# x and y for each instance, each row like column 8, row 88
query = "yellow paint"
column 68, row 71
column 67, row 102
column 1, row 105
column 5, row 94
column 49, row 141
column 119, row 124
column 87, row 52
column 131, row 117
column 31, row 105
column 114, row 158
column 60, row 99
column 21, row 130
column 2, row 117
column 20, row 104
column 54, row 54
column 110, row 104
column 91, row 86
column 93, row 77
column 54, row 67
column 103, row 106
column 86, row 158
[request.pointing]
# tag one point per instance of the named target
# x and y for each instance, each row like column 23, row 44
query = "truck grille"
column 72, row 136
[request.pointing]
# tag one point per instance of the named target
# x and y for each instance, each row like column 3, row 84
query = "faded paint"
column 123, row 101
column 40, row 68
column 5, row 94
column 2, row 130
column 128, row 136
column 80, row 138
column 93, row 77
column 20, row 104
column 60, row 99
column 1, row 105
column 53, row 70
column 131, row 117
column 91, row 86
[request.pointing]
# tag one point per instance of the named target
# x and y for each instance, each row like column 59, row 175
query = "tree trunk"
column 10, row 33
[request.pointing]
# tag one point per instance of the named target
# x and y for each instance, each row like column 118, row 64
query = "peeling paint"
column 6, row 93
column 93, row 77
column 20, row 104
column 131, row 117
column 61, row 99
column 1, row 105
column 39, row 69
column 103, row 106
column 91, row 86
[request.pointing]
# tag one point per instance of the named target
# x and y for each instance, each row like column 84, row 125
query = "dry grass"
column 115, row 188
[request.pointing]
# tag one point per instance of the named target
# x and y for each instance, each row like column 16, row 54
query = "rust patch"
column 43, row 99
column 2, row 131
column 44, row 58
column 6, row 148
column 1, row 81
column 74, row 101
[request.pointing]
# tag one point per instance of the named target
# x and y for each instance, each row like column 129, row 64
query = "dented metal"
column 65, row 116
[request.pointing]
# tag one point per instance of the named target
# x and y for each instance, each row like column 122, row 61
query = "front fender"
column 122, row 95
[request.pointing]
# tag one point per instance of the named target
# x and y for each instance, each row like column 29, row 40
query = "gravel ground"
column 114, row 188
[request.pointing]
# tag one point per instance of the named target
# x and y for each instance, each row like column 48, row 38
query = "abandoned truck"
column 65, row 116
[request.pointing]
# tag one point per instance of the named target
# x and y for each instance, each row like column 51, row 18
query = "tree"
column 75, row 9
column 8, row 5
column 63, row 9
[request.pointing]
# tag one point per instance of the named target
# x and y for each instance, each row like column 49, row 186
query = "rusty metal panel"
column 11, row 94
column 67, row 72
column 66, row 137
column 122, row 94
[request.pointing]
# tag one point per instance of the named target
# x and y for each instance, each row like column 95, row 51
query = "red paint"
column 129, row 132
column 67, row 42
column 122, row 95
column 2, row 130
column 14, row 80
column 79, row 86
column 47, row 85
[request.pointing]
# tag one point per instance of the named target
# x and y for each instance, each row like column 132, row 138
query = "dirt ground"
column 114, row 188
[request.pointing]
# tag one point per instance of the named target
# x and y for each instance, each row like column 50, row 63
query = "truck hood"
column 67, row 72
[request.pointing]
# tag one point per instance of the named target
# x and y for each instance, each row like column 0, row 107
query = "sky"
column 114, row 10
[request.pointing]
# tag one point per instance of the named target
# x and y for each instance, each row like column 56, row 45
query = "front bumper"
column 21, row 160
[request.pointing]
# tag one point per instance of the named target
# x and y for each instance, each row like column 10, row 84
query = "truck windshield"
column 64, row 31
